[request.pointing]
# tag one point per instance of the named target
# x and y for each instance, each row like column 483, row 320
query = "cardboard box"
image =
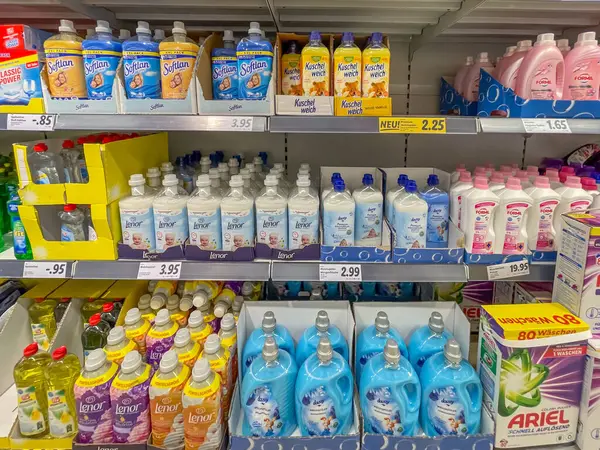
column 452, row 103
column 504, row 292
column 589, row 413
column 525, row 294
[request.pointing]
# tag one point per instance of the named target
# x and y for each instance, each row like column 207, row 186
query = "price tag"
column 232, row 123
column 43, row 269
column 159, row 271
column 546, row 126
column 32, row 122
column 508, row 270
column 340, row 272
column 412, row 125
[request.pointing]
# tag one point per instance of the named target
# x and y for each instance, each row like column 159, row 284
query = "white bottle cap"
column 166, row 167
column 124, row 34
column 213, row 173
column 162, row 318
column 169, row 361
column 524, row 45
column 212, row 344
column 170, row 179
column 200, row 299
column 116, row 336
column 251, row 167
column 131, row 362
column 178, row 27
column 144, row 301
column 271, row 180
column 173, row 301
column 201, row 370
column 66, row 26
column 245, row 173
column 204, row 160
column 545, row 39
column 254, row 28
column 182, row 337
column 223, row 167
column 236, row 181
column 186, row 303
column 305, row 166
column 195, row 319
column 304, row 172
column 153, row 172
column 233, row 162
column 220, row 308
column 257, row 161
column 470, row 61
column 587, row 38
column 102, row 26
column 228, row 322
column 159, row 34
column 95, row 360
column 203, row 180
column 142, row 28
column 483, row 57
column 303, row 181
column 228, row 35
column 133, row 316
column 562, row 43
column 137, row 179
column 89, row 33
column 510, row 50
column 278, row 166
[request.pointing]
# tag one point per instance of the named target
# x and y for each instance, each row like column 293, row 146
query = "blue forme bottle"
column 101, row 56
column 256, row 341
column 390, row 394
column 372, row 341
column 324, row 391
column 451, row 394
column 309, row 341
column 268, row 393
column 427, row 341
column 438, row 209
column 255, row 64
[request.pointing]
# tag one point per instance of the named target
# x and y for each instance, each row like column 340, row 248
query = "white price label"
column 508, row 270
column 239, row 123
column 159, row 271
column 340, row 272
column 32, row 122
column 546, row 126
column 39, row 269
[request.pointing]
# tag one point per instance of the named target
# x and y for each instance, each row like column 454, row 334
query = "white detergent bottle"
column 478, row 210
column 541, row 234
column 303, row 215
column 572, row 198
column 497, row 182
column 271, row 215
column 281, row 181
column 473, row 77
column 327, row 190
column 237, row 216
column 369, row 214
column 249, row 186
column 338, row 217
column 410, row 218
column 204, row 216
column 461, row 74
column 137, row 219
column 170, row 214
column 457, row 193
column 511, row 219
column 454, row 176
column 391, row 196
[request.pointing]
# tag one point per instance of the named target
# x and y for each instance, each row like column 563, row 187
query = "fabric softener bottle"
column 310, row 339
column 427, row 341
column 255, row 64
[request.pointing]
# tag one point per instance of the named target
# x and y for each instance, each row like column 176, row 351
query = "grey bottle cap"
column 391, row 352
column 270, row 351
column 382, row 323
column 452, row 352
column 322, row 322
column 436, row 323
column 324, row 349
column 269, row 322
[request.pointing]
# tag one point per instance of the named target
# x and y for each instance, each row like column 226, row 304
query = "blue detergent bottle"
column 311, row 337
column 438, row 209
column 372, row 341
column 101, row 56
column 268, row 393
column 451, row 394
column 324, row 391
column 427, row 341
column 141, row 64
column 390, row 394
column 255, row 64
column 256, row 341
column 225, row 69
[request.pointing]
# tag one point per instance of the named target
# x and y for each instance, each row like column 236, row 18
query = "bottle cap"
column 228, row 322
column 65, row 299
column 322, row 322
column 382, row 323
column 470, row 61
column 196, row 320
column 377, row 37
column 542, row 182
column 411, row 186
column 212, row 344
column 95, row 360
column 108, row 307
column 137, row 179
column 142, row 27
column 170, row 179
column 169, row 360
column 303, row 181
column 533, row 171
column 524, row 45
column 465, row 176
column 481, row 182
column 254, row 28
column 158, row 300
column 131, row 362
column 324, row 349
column 220, row 308
column 124, row 34
column 305, row 166
column 270, row 350
column 402, row 179
column 69, row 207
column 102, row 26
column 452, row 352
column 153, row 172
column 115, row 336
column 271, row 180
column 186, row 303
column 201, row 370
column 236, row 181
column 68, row 143
column 66, row 26
column 315, row 36
column 573, row 182
column 563, row 43
column 347, row 36
column 41, row 147
column 178, row 28
column 483, row 57
column 545, row 39
column 182, row 337
column 367, row 179
column 510, row 50
column 59, row 353
column 436, row 323
column 159, row 34
column 133, row 316
column 200, row 299
column 162, row 318
column 391, row 352
column 278, row 166
column 95, row 319
column 496, row 177
column 173, row 301
column 433, row 180
column 228, row 35
column 237, row 304
column 589, row 184
column 339, row 185
column 335, row 176
column 513, row 184
column 587, row 38
column 257, row 161
column 268, row 322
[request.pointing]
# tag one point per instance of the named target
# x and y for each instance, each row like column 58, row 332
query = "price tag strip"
column 340, row 272
column 412, row 125
column 230, row 123
column 159, row 271
column 560, row 126
column 31, row 122
column 507, row 270
column 45, row 269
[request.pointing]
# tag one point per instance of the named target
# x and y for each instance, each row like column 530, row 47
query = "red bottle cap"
column 39, row 299
column 30, row 350
column 69, row 207
column 68, row 144
column 65, row 299
column 41, row 147
column 107, row 307
column 59, row 353
column 95, row 319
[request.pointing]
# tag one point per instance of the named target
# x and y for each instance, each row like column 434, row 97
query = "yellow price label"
column 412, row 125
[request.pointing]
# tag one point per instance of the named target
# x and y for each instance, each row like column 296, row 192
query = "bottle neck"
column 271, row 191
column 237, row 191
column 154, row 181
column 138, row 190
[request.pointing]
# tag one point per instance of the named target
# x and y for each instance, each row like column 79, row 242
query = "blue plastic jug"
column 309, row 341
column 451, row 394
column 427, row 341
column 390, row 394
column 438, row 210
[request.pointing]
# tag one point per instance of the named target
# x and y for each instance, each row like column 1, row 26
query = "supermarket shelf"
column 537, row 272
column 508, row 125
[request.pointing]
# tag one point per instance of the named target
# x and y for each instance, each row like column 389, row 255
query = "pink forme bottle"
column 502, row 64
column 582, row 69
column 510, row 68
column 472, row 78
column 461, row 74
column 542, row 71
column 563, row 46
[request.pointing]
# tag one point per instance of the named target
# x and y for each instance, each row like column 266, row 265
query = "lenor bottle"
column 237, row 216
column 427, row 341
column 339, row 217
column 170, row 215
column 204, row 216
column 303, row 215
column 118, row 345
column 136, row 329
column 186, row 349
column 137, row 217
column 160, row 337
column 307, row 345
column 271, row 215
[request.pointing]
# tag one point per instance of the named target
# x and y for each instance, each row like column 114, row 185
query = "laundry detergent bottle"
column 137, row 218
column 582, row 69
column 461, row 74
column 390, row 394
column 511, row 218
column 473, row 77
column 438, row 212
column 324, row 391
column 267, row 393
column 427, row 341
column 141, row 64
column 310, row 338
column 369, row 213
column 511, row 65
column 451, row 394
column 477, row 217
column 457, row 193
column 315, row 68
column 540, row 227
column 410, row 218
column 177, row 63
column 542, row 71
column 339, row 216
column 171, row 225
column 572, row 198
column 101, row 57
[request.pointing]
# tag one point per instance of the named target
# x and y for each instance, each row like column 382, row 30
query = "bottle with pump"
column 390, row 393
column 427, row 341
column 369, row 213
column 141, row 64
column 237, row 216
column 582, row 73
column 315, row 68
column 272, row 215
column 512, row 64
column 43, row 322
column 170, row 214
column 438, row 212
column 410, row 218
column 204, row 215
column 72, row 224
column 572, row 198
column 307, row 345
column 225, row 69
column 510, row 219
column 461, row 74
column 137, row 219
column 477, row 217
column 391, row 196
column 303, row 215
column 339, row 217
column 542, row 71
column 457, row 196
column 46, row 166
column 473, row 77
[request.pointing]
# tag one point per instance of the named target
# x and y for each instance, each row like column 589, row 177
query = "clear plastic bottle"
column 137, row 217
column 43, row 322
column 339, row 216
column 71, row 228
column 66, row 153
column 369, row 214
column 170, row 214
column 271, row 215
column 46, row 166
column 204, row 216
column 237, row 216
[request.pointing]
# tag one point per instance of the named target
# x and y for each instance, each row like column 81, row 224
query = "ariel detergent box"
column 531, row 363
column 588, row 431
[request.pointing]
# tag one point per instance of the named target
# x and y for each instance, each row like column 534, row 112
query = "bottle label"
column 254, row 73
column 437, row 223
column 262, row 411
column 514, row 242
column 20, row 241
column 271, row 227
column 205, row 229
column 203, row 415
column 483, row 214
column 365, row 358
column 445, row 412
column 303, row 227
column 60, row 416
column 41, row 178
column 177, row 71
column 368, row 221
column 65, row 72
column 220, row 364
column 315, row 75
column 200, row 336
column 31, row 417
column 171, row 226
column 583, row 81
column 376, row 75
column 347, row 75
column 544, row 82
column 66, row 233
column 138, row 335
column 238, row 229
column 318, row 413
column 117, row 356
column 189, row 357
column 410, row 229
column 546, row 232
column 579, row 205
column 131, row 408
column 137, row 226
column 229, row 342
column 142, row 74
column 291, row 83
column 100, row 68
column 225, row 77
column 40, row 336
column 338, row 228
column 383, row 413
column 158, row 343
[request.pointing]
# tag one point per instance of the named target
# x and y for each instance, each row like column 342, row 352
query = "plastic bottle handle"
column 413, row 404
column 347, row 394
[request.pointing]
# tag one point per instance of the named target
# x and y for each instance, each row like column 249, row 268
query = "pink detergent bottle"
column 541, row 74
column 582, row 70
column 471, row 81
column 563, row 46
column 511, row 66
column 461, row 74
column 502, row 64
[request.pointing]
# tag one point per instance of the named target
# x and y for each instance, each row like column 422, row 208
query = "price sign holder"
column 413, row 125
column 159, row 270
column 560, row 126
column 45, row 269
column 507, row 270
column 340, row 272
column 230, row 123
column 31, row 122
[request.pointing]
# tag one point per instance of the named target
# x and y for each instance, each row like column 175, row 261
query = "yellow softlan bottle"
column 315, row 67
column 376, row 69
column 31, row 392
column 347, row 66
column 61, row 375
column 43, row 322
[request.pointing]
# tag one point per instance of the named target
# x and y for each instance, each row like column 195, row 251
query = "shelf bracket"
column 93, row 12
column 273, row 10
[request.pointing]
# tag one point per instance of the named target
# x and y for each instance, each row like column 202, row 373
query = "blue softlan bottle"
column 438, row 208
column 256, row 341
column 310, row 339
column 268, row 393
column 390, row 394
column 324, row 391
column 427, row 341
column 101, row 56
column 451, row 394
column 372, row 341
column 141, row 64
column 255, row 64
column 225, row 69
